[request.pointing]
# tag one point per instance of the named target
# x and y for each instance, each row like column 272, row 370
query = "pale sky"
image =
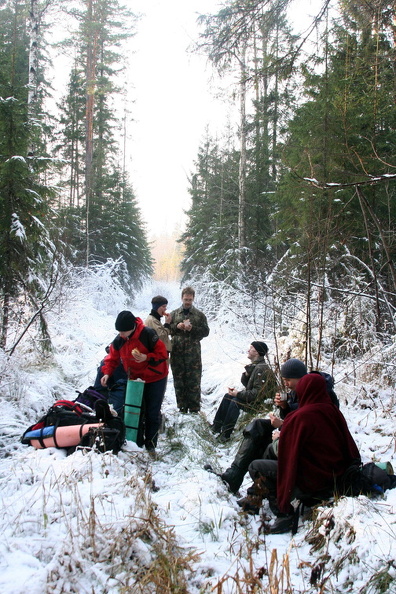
column 173, row 105
column 172, row 102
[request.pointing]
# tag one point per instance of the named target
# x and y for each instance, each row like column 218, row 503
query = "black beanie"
column 293, row 368
column 125, row 321
column 260, row 347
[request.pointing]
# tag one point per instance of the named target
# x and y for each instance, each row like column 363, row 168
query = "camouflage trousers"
column 187, row 372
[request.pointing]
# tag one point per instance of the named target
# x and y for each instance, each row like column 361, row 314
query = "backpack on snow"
column 366, row 479
column 90, row 397
column 67, row 425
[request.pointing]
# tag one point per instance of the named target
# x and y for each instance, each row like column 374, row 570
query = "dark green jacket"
column 182, row 340
column 259, row 381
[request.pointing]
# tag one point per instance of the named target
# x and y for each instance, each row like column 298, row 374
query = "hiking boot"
column 251, row 504
column 282, row 524
column 233, row 476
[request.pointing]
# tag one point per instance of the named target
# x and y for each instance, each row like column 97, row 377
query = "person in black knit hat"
column 143, row 356
column 259, row 384
column 258, row 434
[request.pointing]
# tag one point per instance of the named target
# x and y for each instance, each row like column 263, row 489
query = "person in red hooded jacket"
column 315, row 450
column 143, row 356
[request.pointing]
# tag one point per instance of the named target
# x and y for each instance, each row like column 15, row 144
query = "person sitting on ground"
column 257, row 435
column 315, row 450
column 259, row 384
column 153, row 320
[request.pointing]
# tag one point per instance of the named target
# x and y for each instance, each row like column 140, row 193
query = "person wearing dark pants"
column 153, row 395
column 259, row 384
column 315, row 451
column 143, row 356
column 257, row 435
column 116, row 386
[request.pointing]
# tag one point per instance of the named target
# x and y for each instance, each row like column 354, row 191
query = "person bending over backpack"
column 143, row 356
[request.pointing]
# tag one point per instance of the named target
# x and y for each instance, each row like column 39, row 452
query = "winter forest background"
column 290, row 211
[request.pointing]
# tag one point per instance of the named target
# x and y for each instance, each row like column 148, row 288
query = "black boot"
column 251, row 504
column 256, row 437
column 233, row 476
column 283, row 523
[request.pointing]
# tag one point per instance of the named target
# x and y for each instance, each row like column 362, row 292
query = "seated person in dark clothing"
column 315, row 450
column 258, row 434
column 259, row 384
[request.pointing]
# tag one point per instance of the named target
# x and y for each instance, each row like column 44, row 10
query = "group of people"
column 141, row 350
column 303, row 452
column 309, row 455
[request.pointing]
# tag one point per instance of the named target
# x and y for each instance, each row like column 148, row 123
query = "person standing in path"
column 153, row 320
column 188, row 327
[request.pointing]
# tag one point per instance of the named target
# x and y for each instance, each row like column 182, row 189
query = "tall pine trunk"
column 243, row 156
column 92, row 49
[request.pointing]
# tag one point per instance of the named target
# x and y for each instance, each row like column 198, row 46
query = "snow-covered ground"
column 99, row 523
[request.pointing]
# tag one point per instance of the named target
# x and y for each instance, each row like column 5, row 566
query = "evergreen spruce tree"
column 339, row 222
column 24, row 238
column 211, row 236
column 253, row 39
column 100, row 214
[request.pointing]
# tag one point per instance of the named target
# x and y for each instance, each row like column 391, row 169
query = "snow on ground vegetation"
column 100, row 523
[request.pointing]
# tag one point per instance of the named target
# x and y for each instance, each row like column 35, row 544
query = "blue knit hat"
column 293, row 368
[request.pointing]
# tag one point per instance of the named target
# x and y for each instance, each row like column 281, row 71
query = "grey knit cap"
column 293, row 368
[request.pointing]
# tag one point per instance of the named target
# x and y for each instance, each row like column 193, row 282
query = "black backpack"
column 90, row 397
column 366, row 479
column 110, row 436
column 329, row 386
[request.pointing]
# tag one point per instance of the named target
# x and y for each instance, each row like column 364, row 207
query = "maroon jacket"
column 315, row 445
column 153, row 369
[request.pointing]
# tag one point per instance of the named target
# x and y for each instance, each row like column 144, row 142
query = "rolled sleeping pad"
column 64, row 437
column 133, row 405
column 43, row 432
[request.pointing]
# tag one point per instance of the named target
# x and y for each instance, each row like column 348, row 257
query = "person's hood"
column 311, row 389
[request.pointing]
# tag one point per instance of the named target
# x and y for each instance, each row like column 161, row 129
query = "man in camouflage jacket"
column 188, row 327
